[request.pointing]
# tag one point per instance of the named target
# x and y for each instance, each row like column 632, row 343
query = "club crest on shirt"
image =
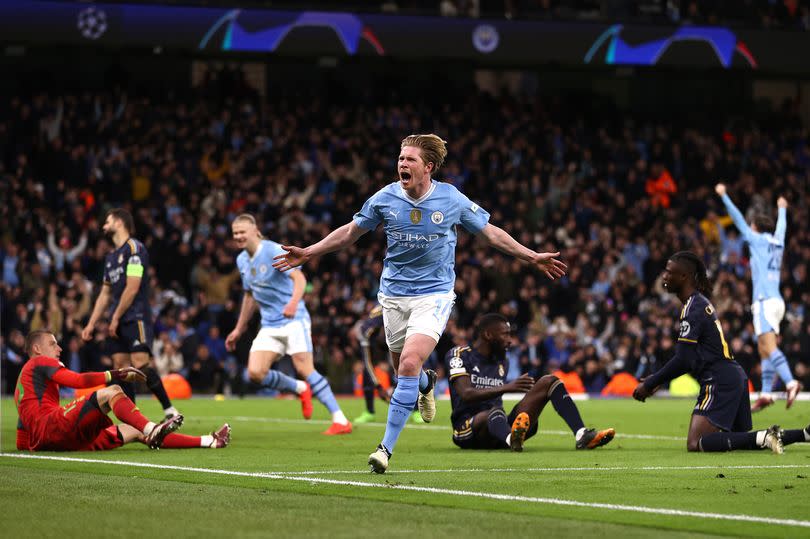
column 263, row 268
column 121, row 258
column 500, row 370
column 253, row 272
column 685, row 328
column 416, row 216
column 437, row 217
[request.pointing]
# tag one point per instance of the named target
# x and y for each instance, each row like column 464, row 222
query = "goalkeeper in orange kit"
column 83, row 425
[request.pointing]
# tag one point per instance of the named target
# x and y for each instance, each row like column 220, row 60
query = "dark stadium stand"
column 552, row 173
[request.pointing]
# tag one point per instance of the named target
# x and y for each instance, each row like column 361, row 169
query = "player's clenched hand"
column 87, row 333
column 782, row 202
column 720, row 189
column 113, row 329
column 640, row 393
column 290, row 310
column 232, row 339
column 521, row 384
column 294, row 257
column 550, row 265
column 127, row 374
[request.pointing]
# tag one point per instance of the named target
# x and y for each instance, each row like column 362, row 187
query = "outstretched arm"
column 339, row 238
column 781, row 219
column 736, row 215
column 674, row 368
column 69, row 378
column 545, row 262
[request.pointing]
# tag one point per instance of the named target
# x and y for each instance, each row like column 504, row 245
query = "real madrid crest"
column 437, row 217
column 500, row 370
column 416, row 216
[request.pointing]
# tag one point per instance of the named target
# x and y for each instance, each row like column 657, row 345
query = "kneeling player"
column 83, row 425
column 477, row 384
column 721, row 420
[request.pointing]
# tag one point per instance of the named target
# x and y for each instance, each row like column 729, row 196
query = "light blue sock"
column 423, row 381
column 768, row 374
column 781, row 365
column 322, row 391
column 399, row 410
column 279, row 380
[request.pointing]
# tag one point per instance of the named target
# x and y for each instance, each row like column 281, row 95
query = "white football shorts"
column 292, row 338
column 423, row 315
column 768, row 314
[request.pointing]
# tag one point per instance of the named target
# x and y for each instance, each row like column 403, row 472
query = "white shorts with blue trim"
column 768, row 314
column 292, row 338
column 423, row 315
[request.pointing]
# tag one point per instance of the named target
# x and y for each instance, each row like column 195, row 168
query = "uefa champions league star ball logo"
column 92, row 23
column 485, row 38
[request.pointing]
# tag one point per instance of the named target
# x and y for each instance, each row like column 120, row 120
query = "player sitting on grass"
column 721, row 420
column 83, row 425
column 477, row 383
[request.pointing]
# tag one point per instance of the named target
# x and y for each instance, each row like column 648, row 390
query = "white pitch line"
column 571, row 469
column 433, row 490
column 248, row 419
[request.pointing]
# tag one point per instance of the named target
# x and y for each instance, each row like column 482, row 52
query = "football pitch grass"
column 280, row 477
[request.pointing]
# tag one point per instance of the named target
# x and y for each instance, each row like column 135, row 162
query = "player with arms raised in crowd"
column 767, row 307
column 285, row 326
column 126, row 290
column 478, row 382
column 83, row 425
column 721, row 419
column 420, row 216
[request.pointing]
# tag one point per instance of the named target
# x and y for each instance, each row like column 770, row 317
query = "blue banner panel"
column 317, row 33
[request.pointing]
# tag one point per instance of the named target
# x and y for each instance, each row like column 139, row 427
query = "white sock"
column 806, row 435
column 300, row 386
column 206, row 440
column 170, row 410
column 338, row 417
column 761, row 438
column 147, row 430
column 579, row 433
column 508, row 438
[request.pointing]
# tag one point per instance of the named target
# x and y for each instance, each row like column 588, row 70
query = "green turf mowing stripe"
column 283, row 476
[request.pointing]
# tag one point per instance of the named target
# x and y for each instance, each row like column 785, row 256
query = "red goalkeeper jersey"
column 37, row 391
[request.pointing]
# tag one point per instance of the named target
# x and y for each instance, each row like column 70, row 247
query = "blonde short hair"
column 434, row 148
column 250, row 219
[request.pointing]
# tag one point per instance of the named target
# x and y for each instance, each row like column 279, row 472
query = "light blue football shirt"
column 766, row 252
column 421, row 234
column 272, row 289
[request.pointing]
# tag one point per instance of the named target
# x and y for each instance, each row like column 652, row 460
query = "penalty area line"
column 434, row 490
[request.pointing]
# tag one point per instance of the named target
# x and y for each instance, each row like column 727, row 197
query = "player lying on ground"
column 767, row 306
column 721, row 420
column 286, row 326
column 477, row 383
column 420, row 217
column 83, row 425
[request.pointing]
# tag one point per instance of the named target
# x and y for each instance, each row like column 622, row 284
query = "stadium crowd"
column 616, row 196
